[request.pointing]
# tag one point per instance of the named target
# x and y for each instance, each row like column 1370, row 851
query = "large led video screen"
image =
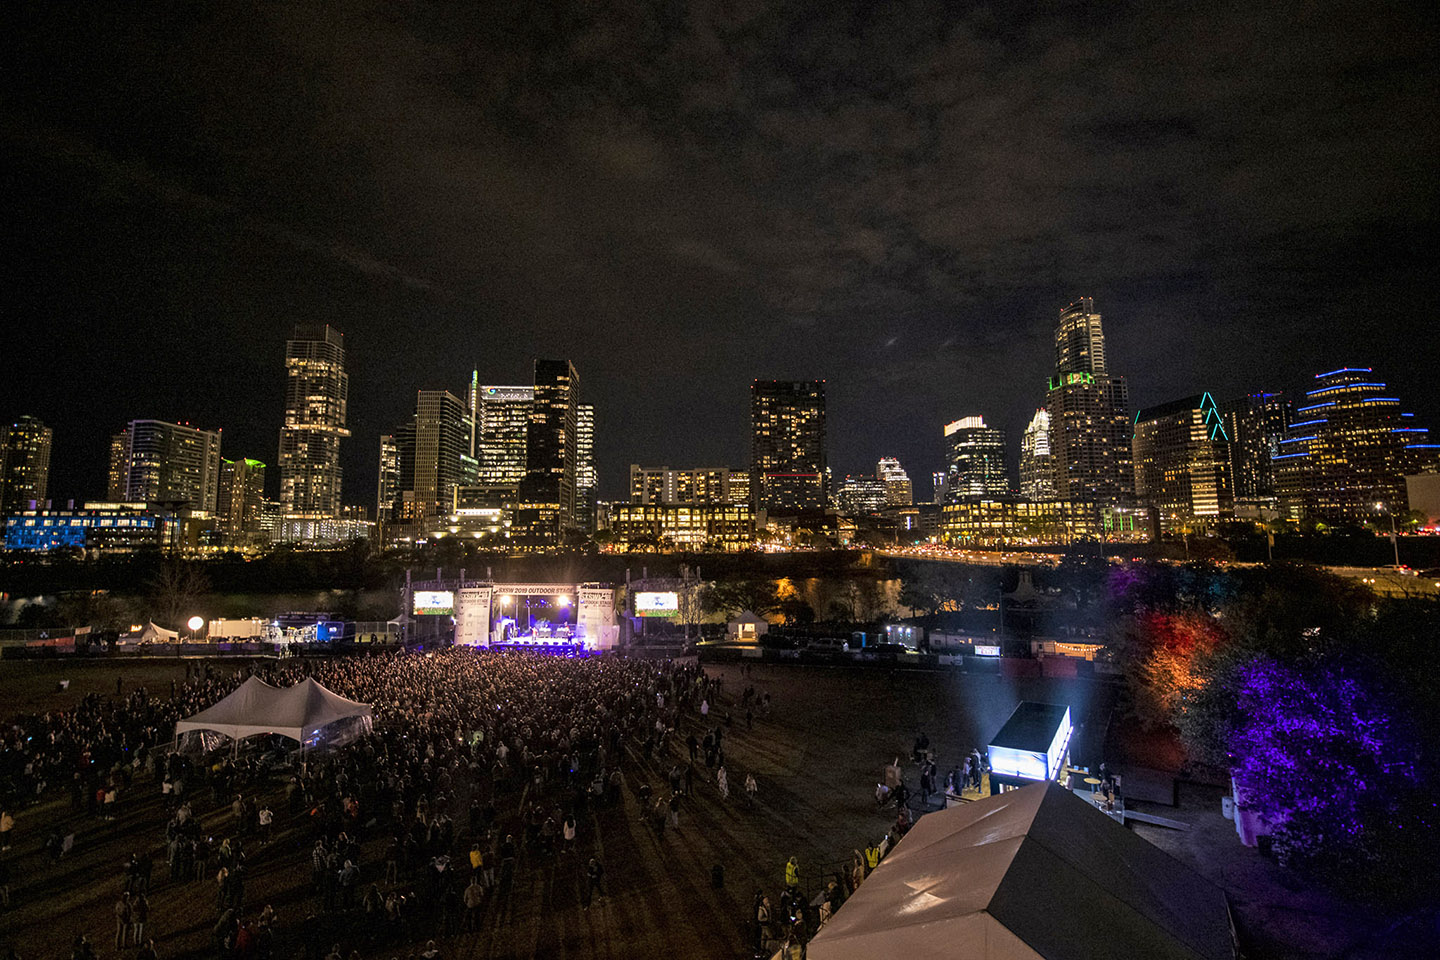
column 665, row 604
column 434, row 603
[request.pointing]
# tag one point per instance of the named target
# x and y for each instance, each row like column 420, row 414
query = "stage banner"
column 597, row 617
column 472, row 616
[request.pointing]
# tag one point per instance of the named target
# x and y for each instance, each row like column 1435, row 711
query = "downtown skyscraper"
column 154, row 461
column 1089, row 414
column 1182, row 463
column 586, row 479
column 1037, row 470
column 24, row 465
column 1256, row 424
column 1348, row 448
column 788, row 457
column 317, row 391
column 502, row 422
column 545, row 505
column 975, row 461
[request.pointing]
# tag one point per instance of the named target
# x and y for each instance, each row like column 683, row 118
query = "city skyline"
column 617, row 487
column 900, row 213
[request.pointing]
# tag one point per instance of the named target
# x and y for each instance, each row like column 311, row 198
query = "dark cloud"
column 681, row 197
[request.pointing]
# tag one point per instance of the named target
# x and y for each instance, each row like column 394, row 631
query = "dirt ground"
column 816, row 757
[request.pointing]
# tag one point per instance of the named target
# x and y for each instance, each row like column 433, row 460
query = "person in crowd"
column 122, row 920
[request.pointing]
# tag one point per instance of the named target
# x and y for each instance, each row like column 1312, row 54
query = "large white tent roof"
column 257, row 707
column 1031, row 873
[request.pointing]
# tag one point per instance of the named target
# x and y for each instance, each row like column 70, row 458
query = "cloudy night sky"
column 897, row 197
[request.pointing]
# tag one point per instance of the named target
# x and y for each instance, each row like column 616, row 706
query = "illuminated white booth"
column 1031, row 746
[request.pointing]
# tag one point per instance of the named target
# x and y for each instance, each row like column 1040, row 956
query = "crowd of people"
column 477, row 763
column 480, row 766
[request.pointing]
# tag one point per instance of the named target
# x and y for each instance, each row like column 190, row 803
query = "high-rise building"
column 975, row 461
column 898, row 492
column 153, row 461
column 546, row 500
column 24, row 465
column 1256, row 425
column 862, row 495
column 788, row 454
column 116, row 475
column 937, row 480
column 387, row 488
column 504, row 421
column 586, row 478
column 442, row 458
column 737, row 489
column 1182, row 462
column 317, row 390
column 689, row 485
column 1079, row 340
column 1349, row 448
column 1089, row 422
column 1037, row 468
column 241, row 493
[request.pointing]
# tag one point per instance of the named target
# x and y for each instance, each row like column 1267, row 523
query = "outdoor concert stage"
column 568, row 619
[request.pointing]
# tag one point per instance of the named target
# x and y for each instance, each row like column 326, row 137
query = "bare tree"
column 175, row 589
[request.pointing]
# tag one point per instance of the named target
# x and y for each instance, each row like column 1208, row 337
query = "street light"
column 1394, row 534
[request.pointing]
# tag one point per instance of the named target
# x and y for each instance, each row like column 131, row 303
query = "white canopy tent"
column 300, row 712
column 1031, row 873
column 151, row 633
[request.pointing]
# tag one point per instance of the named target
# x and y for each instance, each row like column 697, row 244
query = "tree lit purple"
column 1329, row 761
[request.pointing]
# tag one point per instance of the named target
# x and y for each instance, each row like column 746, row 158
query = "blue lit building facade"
column 1349, row 447
column 111, row 527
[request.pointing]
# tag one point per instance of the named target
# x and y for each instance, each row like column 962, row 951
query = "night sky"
column 683, row 197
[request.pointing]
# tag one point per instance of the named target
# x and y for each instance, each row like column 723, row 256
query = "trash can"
column 1227, row 807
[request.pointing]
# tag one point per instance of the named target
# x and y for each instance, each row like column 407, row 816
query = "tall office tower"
column 404, row 507
column 1089, row 423
column 472, row 403
column 737, row 486
column 116, row 477
column 241, row 493
column 898, row 492
column 24, row 465
column 975, row 461
column 1037, row 469
column 859, row 496
column 1079, row 341
column 788, row 465
column 586, row 479
column 689, row 485
column 546, row 500
column 1182, row 462
column 504, row 421
column 317, row 390
column 155, row 461
column 1256, row 425
column 1349, row 448
column 387, row 488
column 937, row 480
column 441, row 460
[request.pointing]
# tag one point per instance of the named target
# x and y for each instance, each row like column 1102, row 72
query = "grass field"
column 816, row 757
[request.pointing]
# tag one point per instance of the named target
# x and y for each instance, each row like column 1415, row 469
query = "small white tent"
column 299, row 712
column 1028, row 874
column 151, row 633
column 747, row 626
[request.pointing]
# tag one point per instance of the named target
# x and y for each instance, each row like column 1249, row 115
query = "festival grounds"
column 816, row 758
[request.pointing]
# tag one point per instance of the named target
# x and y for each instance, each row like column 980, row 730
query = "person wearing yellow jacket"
column 792, row 872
